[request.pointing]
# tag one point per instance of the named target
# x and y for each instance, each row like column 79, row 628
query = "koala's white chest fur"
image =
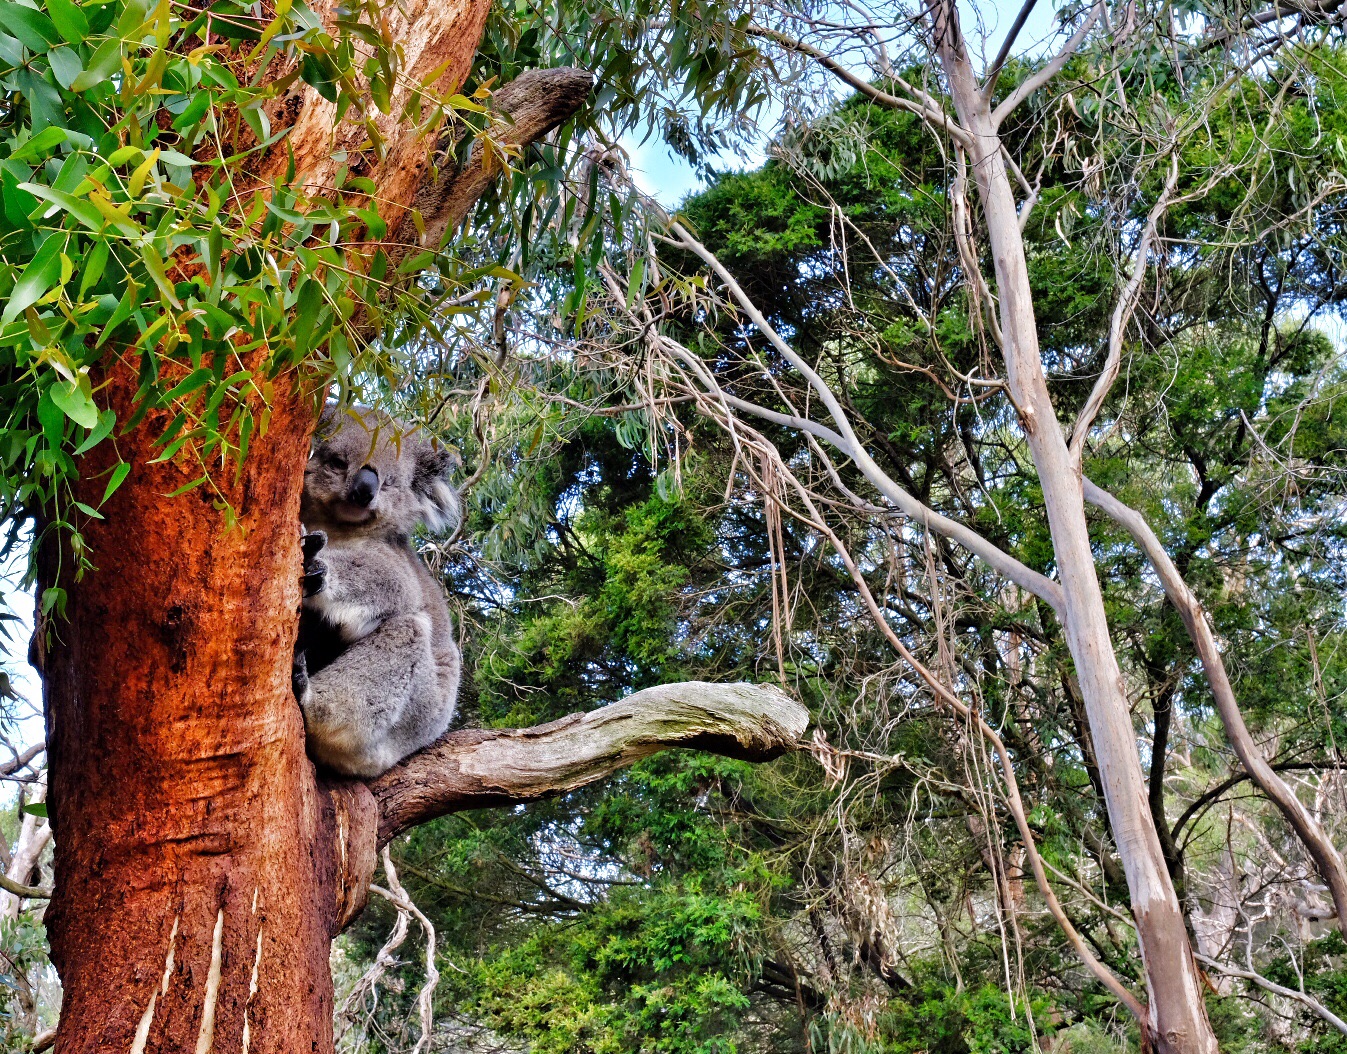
column 368, row 580
column 345, row 607
column 351, row 619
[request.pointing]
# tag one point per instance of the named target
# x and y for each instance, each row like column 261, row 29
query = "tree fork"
column 1177, row 1019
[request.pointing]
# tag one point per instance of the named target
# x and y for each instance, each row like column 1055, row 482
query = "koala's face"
column 367, row 470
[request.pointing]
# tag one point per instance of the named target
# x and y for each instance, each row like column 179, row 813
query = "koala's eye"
column 336, row 461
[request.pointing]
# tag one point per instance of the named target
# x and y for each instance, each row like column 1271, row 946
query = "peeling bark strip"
column 431, row 35
column 478, row 768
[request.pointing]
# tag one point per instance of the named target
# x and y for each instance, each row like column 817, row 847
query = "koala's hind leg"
column 352, row 705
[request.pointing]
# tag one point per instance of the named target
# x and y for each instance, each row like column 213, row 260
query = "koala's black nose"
column 364, row 488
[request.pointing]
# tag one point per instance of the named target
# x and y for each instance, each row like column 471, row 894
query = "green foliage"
column 615, row 619
column 692, row 901
column 642, row 974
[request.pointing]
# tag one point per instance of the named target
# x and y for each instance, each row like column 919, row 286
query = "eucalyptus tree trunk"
column 1178, row 1022
column 193, row 906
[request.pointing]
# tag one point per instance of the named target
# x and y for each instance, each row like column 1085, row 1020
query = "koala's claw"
column 311, row 543
column 315, row 577
column 299, row 676
column 315, row 570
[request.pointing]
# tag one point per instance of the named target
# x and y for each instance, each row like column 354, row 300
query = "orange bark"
column 181, row 798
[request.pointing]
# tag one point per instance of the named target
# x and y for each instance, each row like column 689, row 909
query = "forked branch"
column 1054, row 66
column 1327, row 859
column 1122, row 314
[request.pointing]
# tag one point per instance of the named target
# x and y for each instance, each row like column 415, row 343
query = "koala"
column 376, row 665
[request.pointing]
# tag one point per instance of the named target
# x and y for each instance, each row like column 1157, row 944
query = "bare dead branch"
column 1014, row 802
column 479, row 768
column 851, row 446
column 994, row 71
column 404, row 905
column 924, row 106
column 1122, row 314
column 21, row 760
column 1272, row 986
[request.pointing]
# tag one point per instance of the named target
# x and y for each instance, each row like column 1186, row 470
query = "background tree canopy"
column 645, row 505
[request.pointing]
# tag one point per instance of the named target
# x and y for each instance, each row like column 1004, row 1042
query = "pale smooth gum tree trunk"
column 202, row 865
column 1178, row 1022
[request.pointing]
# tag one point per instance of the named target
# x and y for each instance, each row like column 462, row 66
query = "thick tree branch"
column 479, row 768
column 532, row 104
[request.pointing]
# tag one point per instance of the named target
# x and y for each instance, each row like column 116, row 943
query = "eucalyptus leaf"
column 43, row 272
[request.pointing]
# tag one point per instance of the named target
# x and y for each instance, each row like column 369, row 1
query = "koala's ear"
column 430, row 481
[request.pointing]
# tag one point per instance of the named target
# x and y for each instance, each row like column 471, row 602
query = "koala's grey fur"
column 377, row 666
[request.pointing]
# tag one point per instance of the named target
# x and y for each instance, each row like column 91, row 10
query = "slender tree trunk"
column 1178, row 1021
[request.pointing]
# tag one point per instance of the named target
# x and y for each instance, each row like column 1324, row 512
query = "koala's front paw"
column 315, row 570
column 299, row 676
